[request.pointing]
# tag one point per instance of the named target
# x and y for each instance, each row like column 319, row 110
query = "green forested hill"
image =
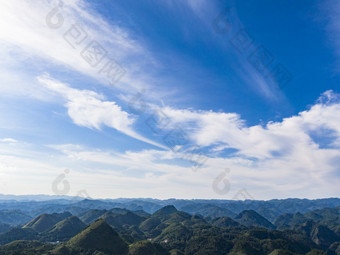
column 250, row 218
column 46, row 221
column 169, row 231
column 64, row 229
column 98, row 237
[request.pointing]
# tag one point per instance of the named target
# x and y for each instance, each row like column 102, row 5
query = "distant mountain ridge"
column 13, row 217
column 270, row 209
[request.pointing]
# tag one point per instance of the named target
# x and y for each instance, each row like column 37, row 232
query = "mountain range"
column 198, row 227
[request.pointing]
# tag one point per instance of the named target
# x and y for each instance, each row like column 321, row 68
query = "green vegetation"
column 169, row 231
column 46, row 221
column 250, row 218
column 26, row 248
column 18, row 234
column 98, row 237
column 65, row 229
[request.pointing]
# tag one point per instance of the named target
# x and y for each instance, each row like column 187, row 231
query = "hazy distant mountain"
column 91, row 215
column 13, row 217
column 121, row 219
column 4, row 227
column 270, row 209
column 137, row 205
column 119, row 210
column 35, row 197
column 18, row 234
column 208, row 210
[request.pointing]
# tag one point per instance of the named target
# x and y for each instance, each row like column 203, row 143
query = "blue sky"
column 182, row 98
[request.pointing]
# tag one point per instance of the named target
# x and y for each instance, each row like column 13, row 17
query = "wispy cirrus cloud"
column 331, row 9
column 89, row 109
column 252, row 62
column 33, row 41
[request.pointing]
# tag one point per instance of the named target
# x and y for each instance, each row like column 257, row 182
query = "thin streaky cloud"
column 89, row 109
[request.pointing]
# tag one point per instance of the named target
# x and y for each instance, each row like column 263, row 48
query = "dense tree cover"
column 46, row 221
column 171, row 232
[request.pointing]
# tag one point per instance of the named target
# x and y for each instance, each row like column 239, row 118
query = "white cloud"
column 305, row 175
column 154, row 173
column 279, row 159
column 101, row 173
column 30, row 39
column 8, row 140
column 283, row 157
column 89, row 109
column 207, row 128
